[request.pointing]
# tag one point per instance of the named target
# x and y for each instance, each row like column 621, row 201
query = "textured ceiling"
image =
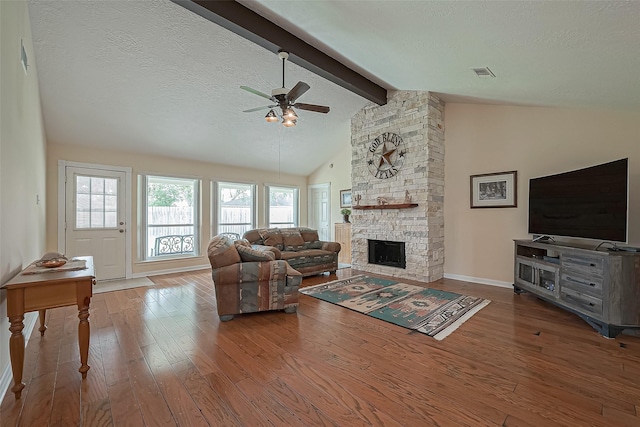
column 547, row 53
column 152, row 76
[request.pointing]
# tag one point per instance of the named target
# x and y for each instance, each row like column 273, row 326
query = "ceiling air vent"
column 483, row 72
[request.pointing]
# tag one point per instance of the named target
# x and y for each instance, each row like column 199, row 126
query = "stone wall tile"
column 418, row 118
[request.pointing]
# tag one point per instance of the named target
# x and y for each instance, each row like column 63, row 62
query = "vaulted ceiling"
column 152, row 76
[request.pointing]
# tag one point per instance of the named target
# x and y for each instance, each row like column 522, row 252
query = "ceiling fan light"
column 289, row 122
column 289, row 114
column 271, row 117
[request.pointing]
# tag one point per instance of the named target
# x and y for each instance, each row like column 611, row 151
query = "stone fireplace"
column 417, row 119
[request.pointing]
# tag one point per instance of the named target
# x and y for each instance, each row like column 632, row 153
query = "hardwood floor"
column 159, row 356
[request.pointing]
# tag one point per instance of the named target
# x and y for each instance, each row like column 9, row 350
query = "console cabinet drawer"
column 582, row 302
column 584, row 264
column 582, row 283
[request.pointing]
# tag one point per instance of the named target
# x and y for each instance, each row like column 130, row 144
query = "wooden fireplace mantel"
column 389, row 206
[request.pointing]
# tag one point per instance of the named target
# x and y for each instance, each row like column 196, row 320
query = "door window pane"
column 110, row 203
column 111, row 186
column 83, row 184
column 110, row 218
column 93, row 208
column 97, row 202
column 82, row 220
column 97, row 220
column 97, row 185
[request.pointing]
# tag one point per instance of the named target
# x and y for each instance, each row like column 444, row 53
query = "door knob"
column 121, row 230
column 121, row 222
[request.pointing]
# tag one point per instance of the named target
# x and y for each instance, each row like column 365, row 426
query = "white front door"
column 95, row 221
column 319, row 210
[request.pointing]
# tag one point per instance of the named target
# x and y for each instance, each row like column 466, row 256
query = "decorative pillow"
column 242, row 242
column 313, row 245
column 248, row 254
column 222, row 252
column 309, row 234
column 292, row 239
column 272, row 237
column 276, row 252
column 253, row 236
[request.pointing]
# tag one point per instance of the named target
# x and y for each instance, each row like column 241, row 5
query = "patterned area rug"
column 429, row 311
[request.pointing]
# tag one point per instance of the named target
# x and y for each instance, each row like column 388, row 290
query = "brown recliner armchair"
column 247, row 280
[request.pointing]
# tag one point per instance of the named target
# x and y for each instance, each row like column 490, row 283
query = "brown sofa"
column 247, row 280
column 299, row 246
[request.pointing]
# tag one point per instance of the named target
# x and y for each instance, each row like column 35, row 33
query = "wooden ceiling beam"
column 248, row 24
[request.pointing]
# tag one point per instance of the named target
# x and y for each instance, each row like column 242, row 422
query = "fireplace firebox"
column 385, row 252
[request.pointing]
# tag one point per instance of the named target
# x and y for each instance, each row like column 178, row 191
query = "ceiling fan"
column 285, row 99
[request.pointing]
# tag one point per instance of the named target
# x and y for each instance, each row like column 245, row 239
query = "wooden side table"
column 39, row 292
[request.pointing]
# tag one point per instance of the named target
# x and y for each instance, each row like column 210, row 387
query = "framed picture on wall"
column 345, row 198
column 494, row 190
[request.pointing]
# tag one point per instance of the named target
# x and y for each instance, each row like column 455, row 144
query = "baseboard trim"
column 7, row 375
column 170, row 271
column 479, row 280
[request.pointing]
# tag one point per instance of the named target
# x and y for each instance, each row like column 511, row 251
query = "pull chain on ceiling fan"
column 285, row 100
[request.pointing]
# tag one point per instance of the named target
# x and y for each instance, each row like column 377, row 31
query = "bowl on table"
column 51, row 263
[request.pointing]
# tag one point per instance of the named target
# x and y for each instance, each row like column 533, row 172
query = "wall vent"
column 483, row 72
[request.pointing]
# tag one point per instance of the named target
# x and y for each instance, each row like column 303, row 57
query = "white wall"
column 337, row 172
column 535, row 142
column 22, row 158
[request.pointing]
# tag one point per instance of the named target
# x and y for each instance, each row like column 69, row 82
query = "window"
column 282, row 207
column 235, row 208
column 96, row 202
column 169, row 208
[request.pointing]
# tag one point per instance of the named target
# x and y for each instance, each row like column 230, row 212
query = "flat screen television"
column 588, row 203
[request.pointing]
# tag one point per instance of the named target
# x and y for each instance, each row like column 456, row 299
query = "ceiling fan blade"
column 298, row 90
column 311, row 107
column 255, row 92
column 259, row 108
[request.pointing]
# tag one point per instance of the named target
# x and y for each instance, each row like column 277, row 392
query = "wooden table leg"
column 16, row 351
column 43, row 327
column 83, row 336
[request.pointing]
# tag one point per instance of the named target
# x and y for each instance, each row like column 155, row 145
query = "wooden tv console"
column 601, row 286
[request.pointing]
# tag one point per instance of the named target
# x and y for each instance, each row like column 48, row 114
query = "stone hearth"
column 418, row 118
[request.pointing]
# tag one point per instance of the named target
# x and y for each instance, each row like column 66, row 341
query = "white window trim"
column 296, row 212
column 216, row 206
column 142, row 219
